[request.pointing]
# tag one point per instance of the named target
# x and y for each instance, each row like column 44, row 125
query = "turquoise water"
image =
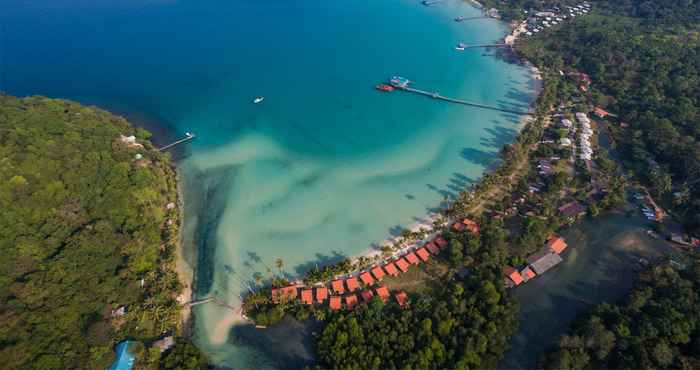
column 125, row 359
column 326, row 166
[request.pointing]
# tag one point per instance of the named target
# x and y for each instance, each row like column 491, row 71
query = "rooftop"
column 432, row 248
column 411, row 258
column 513, row 274
column 402, row 264
column 423, row 254
column 556, row 243
column 352, row 284
column 337, row 286
column 377, row 272
column 390, row 269
column 401, row 298
column 334, row 304
column 307, row 296
column 441, row 242
column 366, row 278
column 383, row 292
column 367, row 295
column 350, row 301
column 543, row 261
column 321, row 294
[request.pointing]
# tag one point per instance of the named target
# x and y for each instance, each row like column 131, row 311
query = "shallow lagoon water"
column 326, row 166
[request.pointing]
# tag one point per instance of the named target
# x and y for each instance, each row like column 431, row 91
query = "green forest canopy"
column 83, row 222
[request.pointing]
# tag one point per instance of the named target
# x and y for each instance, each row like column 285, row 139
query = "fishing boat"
column 258, row 99
column 398, row 81
column 459, row 19
column 385, row 87
column 461, row 46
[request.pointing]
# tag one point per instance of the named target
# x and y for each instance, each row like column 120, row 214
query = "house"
column 567, row 123
column 543, row 260
column 390, row 269
column 307, row 296
column 366, row 278
column 383, row 292
column 377, row 272
column 367, row 295
column 472, row 226
column 350, row 301
column 411, row 258
column 556, row 244
column 423, row 254
column 165, row 343
column 119, row 312
column 513, row 274
column 402, row 264
column 441, row 242
column 432, row 248
column 285, row 294
column 352, row 284
column 334, row 303
column 337, row 286
column 321, row 294
column 572, row 210
column 602, row 113
column 401, row 298
column 527, row 274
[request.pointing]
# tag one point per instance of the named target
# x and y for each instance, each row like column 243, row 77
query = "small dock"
column 436, row 95
column 486, row 46
column 188, row 137
column 431, row 2
column 462, row 19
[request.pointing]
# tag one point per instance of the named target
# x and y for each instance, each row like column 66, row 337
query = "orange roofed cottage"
column 513, row 274
column 390, row 269
column 321, row 294
column 334, row 303
column 411, row 258
column 366, row 278
column 402, row 264
column 432, row 248
column 423, row 254
column 556, row 243
column 401, row 298
column 472, row 226
column 527, row 274
column 350, row 301
column 352, row 284
column 337, row 286
column 382, row 292
column 307, row 296
column 367, row 295
column 378, row 273
column 441, row 242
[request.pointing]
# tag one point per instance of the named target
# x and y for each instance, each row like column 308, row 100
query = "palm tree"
column 280, row 264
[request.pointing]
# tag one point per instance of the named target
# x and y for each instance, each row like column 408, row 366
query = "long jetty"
column 210, row 299
column 431, row 2
column 486, row 46
column 187, row 137
column 436, row 95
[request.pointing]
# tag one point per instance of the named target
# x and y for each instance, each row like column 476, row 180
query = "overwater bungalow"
column 383, row 292
column 401, row 298
column 402, row 264
column 350, row 301
column 367, row 295
column 391, row 269
column 366, row 278
column 556, row 244
column 337, row 286
column 441, row 242
column 307, row 296
column 321, row 294
column 432, row 248
column 513, row 274
column 423, row 254
column 378, row 273
column 412, row 258
column 352, row 284
column 334, row 303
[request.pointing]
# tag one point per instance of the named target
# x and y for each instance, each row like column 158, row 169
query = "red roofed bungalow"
column 401, row 298
column 366, row 278
column 334, row 304
column 556, row 243
column 472, row 226
column 382, row 292
column 307, row 296
column 350, row 301
column 321, row 294
column 352, row 284
column 391, row 269
column 287, row 293
column 441, row 242
column 602, row 113
column 457, row 226
column 411, row 258
column 513, row 275
column 402, row 264
column 337, row 286
column 367, row 295
column 527, row 274
column 423, row 254
column 378, row 273
column 432, row 248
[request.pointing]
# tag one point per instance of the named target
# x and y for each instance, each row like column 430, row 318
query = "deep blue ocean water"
column 325, row 167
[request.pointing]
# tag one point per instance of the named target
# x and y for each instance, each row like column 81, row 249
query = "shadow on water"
column 480, row 157
column 499, row 136
column 320, row 261
column 599, row 266
column 215, row 185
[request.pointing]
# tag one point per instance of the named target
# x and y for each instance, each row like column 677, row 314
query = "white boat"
column 461, row 46
column 258, row 99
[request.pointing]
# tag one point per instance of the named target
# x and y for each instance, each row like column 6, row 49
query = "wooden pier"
column 486, row 46
column 436, row 95
column 187, row 137
column 459, row 20
column 210, row 299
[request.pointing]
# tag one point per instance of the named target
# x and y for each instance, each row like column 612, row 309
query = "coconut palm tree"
column 280, row 265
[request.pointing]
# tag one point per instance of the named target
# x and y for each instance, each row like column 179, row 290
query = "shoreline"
column 184, row 271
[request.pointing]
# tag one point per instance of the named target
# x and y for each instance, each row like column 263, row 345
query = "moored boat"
column 461, row 46
column 385, row 87
column 258, row 99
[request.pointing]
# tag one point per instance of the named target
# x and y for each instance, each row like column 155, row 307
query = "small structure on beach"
column 352, row 284
column 391, row 269
column 366, row 278
column 337, row 286
column 321, row 294
column 383, row 292
column 402, row 264
column 334, row 303
column 307, row 296
column 401, row 298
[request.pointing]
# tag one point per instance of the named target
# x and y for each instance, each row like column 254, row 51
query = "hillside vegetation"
column 85, row 230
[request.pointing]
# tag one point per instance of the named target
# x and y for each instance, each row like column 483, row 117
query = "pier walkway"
column 210, row 299
column 486, row 46
column 436, row 95
column 187, row 137
column 431, row 2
